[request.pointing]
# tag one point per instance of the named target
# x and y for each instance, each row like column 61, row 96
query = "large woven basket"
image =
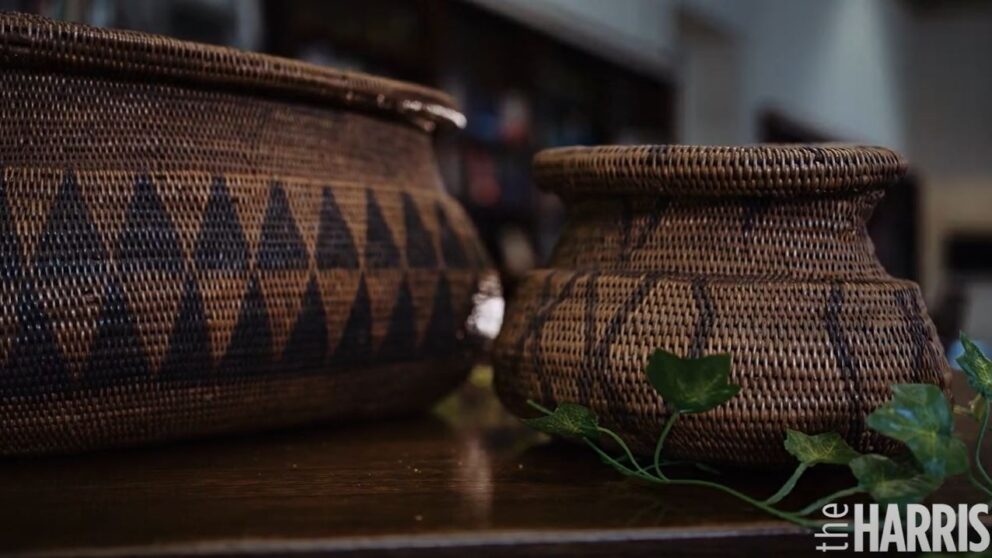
column 761, row 252
column 196, row 240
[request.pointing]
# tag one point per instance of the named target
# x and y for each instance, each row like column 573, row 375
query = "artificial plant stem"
column 978, row 484
column 787, row 516
column 817, row 505
column 980, row 443
column 616, row 438
column 788, row 486
column 609, row 458
column 661, row 442
column 701, row 466
column 706, row 468
column 639, row 473
column 539, row 407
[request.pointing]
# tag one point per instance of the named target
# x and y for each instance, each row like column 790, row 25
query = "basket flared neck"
column 803, row 238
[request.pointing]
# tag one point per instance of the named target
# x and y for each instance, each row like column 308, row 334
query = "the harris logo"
column 910, row 528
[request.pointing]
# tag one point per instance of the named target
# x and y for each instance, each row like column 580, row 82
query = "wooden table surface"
column 465, row 478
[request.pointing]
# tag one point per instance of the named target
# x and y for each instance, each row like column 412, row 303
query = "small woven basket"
column 197, row 240
column 761, row 252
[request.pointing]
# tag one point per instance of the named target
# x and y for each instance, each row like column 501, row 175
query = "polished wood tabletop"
column 466, row 477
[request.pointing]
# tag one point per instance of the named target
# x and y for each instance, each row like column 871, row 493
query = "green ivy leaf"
column 919, row 416
column 828, row 447
column 569, row 420
column 978, row 407
column 691, row 385
column 975, row 409
column 976, row 367
column 890, row 482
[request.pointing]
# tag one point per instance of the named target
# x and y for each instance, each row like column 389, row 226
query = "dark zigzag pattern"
column 70, row 245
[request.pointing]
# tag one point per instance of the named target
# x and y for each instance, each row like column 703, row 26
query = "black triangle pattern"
column 307, row 346
column 380, row 249
column 281, row 246
column 149, row 240
column 401, row 337
column 35, row 365
column 451, row 248
column 188, row 358
column 355, row 346
column 441, row 335
column 70, row 245
column 250, row 351
column 419, row 243
column 335, row 246
column 116, row 354
column 10, row 246
column 221, row 243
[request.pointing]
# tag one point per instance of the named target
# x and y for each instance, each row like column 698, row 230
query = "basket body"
column 761, row 252
column 195, row 241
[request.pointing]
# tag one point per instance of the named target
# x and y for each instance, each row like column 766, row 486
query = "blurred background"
column 913, row 75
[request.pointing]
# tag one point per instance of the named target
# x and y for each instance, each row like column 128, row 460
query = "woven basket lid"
column 687, row 170
column 34, row 42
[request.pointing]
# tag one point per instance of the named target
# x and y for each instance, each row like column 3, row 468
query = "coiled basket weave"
column 196, row 240
column 759, row 251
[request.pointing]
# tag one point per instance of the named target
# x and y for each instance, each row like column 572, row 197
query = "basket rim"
column 720, row 280
column 697, row 170
column 33, row 41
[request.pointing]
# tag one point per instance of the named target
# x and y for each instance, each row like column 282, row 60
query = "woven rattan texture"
column 30, row 41
column 767, row 170
column 788, row 284
column 180, row 261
